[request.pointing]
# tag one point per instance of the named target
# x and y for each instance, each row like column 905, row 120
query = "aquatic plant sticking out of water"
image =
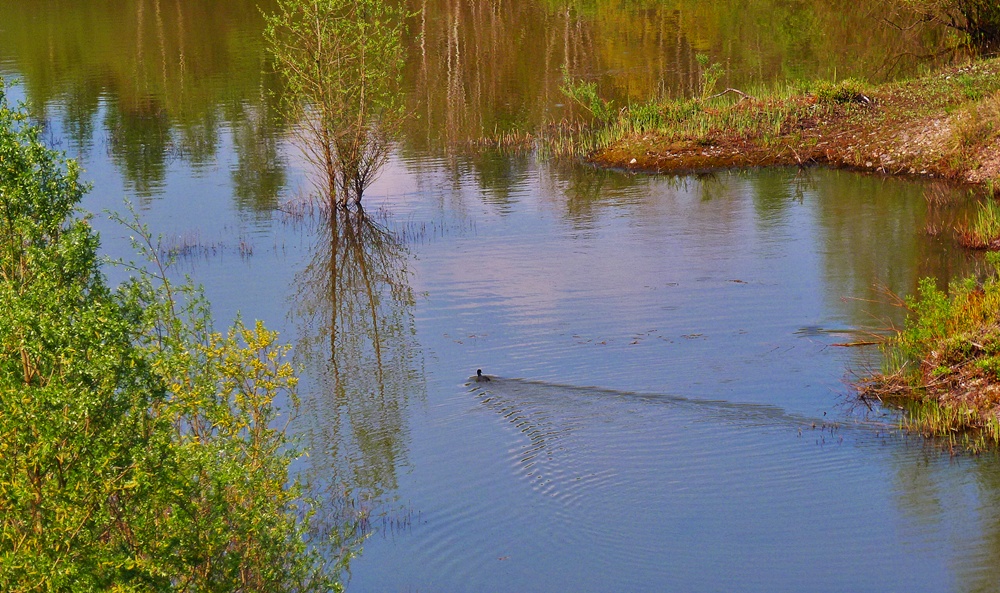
column 983, row 230
column 943, row 368
column 191, row 245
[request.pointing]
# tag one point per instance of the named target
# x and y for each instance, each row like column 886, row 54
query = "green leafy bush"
column 946, row 331
column 710, row 75
column 139, row 449
column 943, row 368
column 845, row 91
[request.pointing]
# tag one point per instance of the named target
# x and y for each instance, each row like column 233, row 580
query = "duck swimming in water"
column 480, row 377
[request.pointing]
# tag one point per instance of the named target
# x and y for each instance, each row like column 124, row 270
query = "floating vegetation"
column 307, row 210
column 363, row 515
column 302, row 207
column 190, row 245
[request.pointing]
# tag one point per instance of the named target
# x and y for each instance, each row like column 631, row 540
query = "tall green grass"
column 982, row 231
column 762, row 114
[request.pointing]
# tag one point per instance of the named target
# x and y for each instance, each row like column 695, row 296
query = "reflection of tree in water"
column 259, row 174
column 935, row 494
column 878, row 226
column 983, row 572
column 358, row 341
column 172, row 78
column 139, row 139
column 484, row 67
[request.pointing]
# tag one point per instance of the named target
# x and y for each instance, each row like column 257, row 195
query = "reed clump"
column 982, row 231
column 955, row 427
column 697, row 122
column 943, row 368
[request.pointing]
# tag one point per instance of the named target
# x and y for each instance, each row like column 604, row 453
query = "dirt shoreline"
column 926, row 127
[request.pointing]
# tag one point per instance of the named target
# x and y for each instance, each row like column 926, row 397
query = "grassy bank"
column 943, row 368
column 943, row 125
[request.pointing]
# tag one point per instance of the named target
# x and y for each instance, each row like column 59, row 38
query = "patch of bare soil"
column 989, row 164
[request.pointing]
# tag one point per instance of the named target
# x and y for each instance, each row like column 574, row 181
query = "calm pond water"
column 669, row 409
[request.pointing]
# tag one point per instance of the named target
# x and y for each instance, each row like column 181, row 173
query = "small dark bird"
column 480, row 377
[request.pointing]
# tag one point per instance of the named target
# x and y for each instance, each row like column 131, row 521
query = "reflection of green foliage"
column 358, row 336
column 194, row 59
column 140, row 143
column 259, row 174
column 197, row 143
column 165, row 74
column 80, row 115
column 498, row 174
column 139, row 449
column 633, row 52
column 981, row 576
column 977, row 20
column 774, row 194
column 590, row 191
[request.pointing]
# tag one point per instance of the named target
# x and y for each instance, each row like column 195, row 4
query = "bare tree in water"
column 342, row 61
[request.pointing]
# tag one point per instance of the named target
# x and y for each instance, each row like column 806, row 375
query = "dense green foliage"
column 946, row 360
column 342, row 61
column 139, row 449
column 954, row 328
